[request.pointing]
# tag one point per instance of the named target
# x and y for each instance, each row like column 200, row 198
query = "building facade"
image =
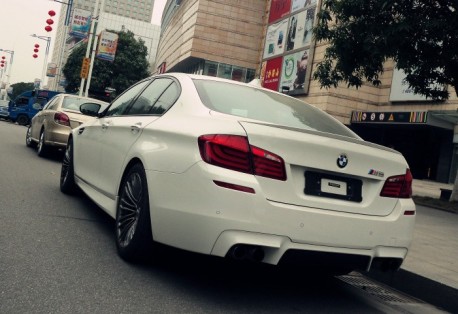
column 218, row 38
column 273, row 39
column 116, row 15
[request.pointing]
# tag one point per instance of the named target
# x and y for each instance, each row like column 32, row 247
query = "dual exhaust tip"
column 252, row 253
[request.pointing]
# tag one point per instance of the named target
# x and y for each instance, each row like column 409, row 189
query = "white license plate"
column 333, row 186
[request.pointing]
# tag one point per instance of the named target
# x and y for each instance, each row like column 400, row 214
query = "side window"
column 119, row 106
column 167, row 99
column 149, row 96
column 22, row 101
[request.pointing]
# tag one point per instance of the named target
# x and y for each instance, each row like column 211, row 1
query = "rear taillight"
column 398, row 186
column 61, row 118
column 235, row 153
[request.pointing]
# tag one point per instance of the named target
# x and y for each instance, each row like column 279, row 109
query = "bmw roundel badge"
column 342, row 161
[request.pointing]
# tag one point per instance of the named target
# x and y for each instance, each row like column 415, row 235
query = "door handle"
column 136, row 127
column 106, row 124
column 80, row 131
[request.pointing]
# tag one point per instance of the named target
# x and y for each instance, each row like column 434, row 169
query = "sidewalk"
column 429, row 188
column 434, row 250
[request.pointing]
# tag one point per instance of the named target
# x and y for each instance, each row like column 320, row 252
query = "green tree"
column 130, row 65
column 420, row 36
column 19, row 88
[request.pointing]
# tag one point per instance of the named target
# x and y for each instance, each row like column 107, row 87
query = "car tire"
column 42, row 148
column 67, row 175
column 28, row 138
column 22, row 120
column 134, row 239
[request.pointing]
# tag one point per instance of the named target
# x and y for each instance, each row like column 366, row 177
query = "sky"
column 21, row 18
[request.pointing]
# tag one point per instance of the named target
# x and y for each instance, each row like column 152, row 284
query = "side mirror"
column 90, row 109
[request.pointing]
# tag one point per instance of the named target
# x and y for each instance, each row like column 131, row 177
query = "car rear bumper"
column 57, row 135
column 276, row 249
column 203, row 217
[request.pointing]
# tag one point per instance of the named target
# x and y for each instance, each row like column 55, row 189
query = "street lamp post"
column 11, row 52
column 43, row 72
column 60, row 62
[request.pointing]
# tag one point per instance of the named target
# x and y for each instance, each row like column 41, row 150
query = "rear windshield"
column 263, row 105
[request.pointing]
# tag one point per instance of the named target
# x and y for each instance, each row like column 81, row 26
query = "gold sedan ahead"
column 51, row 126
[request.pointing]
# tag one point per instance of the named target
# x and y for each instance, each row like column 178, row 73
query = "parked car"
column 50, row 127
column 4, row 109
column 25, row 106
column 233, row 170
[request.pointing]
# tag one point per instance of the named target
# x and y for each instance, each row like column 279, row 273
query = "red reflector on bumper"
column 236, row 187
column 409, row 213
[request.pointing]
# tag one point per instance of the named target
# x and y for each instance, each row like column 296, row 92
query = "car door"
column 121, row 132
column 39, row 119
column 89, row 137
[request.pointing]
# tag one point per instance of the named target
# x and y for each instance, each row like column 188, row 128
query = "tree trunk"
column 454, row 196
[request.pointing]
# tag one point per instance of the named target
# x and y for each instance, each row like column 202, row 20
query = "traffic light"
column 85, row 68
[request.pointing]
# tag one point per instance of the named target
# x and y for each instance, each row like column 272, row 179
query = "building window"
column 210, row 68
column 250, row 75
column 225, row 71
column 238, row 74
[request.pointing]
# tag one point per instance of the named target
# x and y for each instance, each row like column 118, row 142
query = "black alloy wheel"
column 67, row 175
column 134, row 238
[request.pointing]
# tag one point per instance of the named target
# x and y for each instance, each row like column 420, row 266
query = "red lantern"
column 51, row 13
column 48, row 28
column 35, row 50
column 49, row 22
column 37, row 46
column 35, row 55
column 3, row 57
column 2, row 65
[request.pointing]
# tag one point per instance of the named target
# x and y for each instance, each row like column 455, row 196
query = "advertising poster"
column 272, row 73
column 300, row 4
column 279, row 9
column 80, row 23
column 300, row 30
column 51, row 70
column 275, row 39
column 400, row 90
column 294, row 69
column 108, row 42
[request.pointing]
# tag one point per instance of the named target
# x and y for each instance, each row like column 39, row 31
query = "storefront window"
column 238, row 74
column 210, row 68
column 250, row 74
column 225, row 71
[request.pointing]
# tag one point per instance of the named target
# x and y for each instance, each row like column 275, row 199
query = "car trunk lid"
column 326, row 171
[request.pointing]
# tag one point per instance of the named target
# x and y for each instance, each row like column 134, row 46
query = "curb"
column 422, row 288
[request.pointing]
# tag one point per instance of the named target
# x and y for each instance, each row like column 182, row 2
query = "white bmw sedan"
column 233, row 170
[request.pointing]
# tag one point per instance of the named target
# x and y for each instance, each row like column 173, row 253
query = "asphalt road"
column 58, row 255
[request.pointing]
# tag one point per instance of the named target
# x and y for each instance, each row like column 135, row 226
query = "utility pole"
column 89, row 42
column 94, row 49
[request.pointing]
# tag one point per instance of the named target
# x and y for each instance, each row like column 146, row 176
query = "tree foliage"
column 420, row 36
column 130, row 65
column 19, row 88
